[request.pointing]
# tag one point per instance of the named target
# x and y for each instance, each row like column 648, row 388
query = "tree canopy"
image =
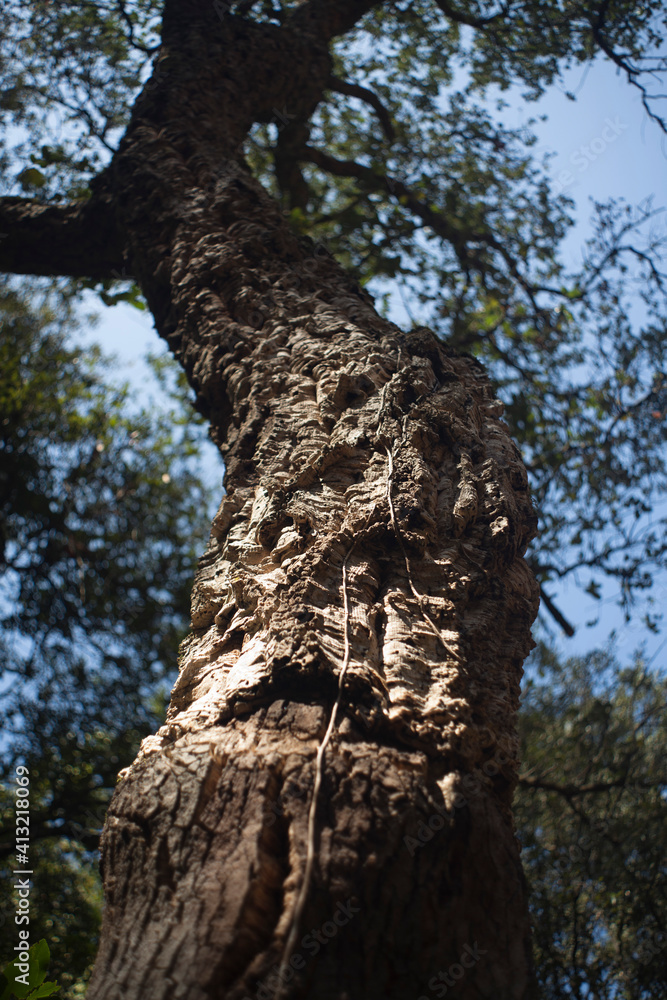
column 591, row 817
column 102, row 514
column 396, row 160
column 401, row 166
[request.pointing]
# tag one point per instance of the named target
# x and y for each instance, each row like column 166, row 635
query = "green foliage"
column 428, row 197
column 68, row 69
column 102, row 516
column 66, row 894
column 425, row 195
column 451, row 212
column 592, row 814
column 12, row 982
column 97, row 503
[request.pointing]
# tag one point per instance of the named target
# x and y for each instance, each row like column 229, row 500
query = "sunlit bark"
column 367, row 555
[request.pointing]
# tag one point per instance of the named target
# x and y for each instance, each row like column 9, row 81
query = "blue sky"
column 603, row 146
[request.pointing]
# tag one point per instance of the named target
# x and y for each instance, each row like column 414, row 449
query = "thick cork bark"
column 374, row 523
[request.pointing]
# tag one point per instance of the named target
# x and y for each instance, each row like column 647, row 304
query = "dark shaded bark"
column 79, row 240
column 205, row 845
column 369, row 545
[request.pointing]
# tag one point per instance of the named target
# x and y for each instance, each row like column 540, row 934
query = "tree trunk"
column 360, row 616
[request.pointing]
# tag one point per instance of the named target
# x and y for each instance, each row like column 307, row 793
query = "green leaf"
column 38, row 963
column 45, row 990
column 31, row 177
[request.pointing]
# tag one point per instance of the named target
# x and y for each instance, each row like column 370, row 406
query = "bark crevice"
column 344, row 439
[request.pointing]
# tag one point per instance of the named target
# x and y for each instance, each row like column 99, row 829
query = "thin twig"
column 370, row 97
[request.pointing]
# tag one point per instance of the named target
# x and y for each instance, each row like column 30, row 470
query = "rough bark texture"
column 205, row 847
column 375, row 519
column 79, row 240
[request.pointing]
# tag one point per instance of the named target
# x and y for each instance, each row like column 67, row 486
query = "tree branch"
column 77, row 240
column 623, row 63
column 125, row 17
column 556, row 614
column 460, row 16
column 350, row 168
column 363, row 94
column 293, row 185
column 329, row 18
column 571, row 790
column 466, row 254
column 460, row 240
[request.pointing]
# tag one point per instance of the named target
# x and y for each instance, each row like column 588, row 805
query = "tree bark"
column 79, row 240
column 334, row 414
column 362, row 611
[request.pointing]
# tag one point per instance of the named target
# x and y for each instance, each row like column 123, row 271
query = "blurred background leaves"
column 408, row 174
